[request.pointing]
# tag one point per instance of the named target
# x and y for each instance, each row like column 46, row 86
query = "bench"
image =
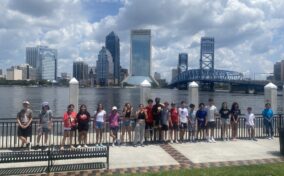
column 50, row 157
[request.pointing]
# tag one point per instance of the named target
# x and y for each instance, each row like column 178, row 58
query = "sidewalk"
column 152, row 158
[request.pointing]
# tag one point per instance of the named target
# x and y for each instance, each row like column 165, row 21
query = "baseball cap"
column 26, row 102
column 44, row 104
column 114, row 108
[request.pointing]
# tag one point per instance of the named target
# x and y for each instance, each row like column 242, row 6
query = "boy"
column 250, row 124
column 192, row 123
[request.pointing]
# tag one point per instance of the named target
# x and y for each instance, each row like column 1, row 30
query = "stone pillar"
column 270, row 96
column 74, row 93
column 145, row 92
column 193, row 93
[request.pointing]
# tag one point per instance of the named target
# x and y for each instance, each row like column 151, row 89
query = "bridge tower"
column 207, row 58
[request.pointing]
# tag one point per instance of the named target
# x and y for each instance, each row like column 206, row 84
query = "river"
column 11, row 98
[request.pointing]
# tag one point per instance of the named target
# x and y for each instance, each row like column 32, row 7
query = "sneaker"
column 171, row 141
column 79, row 146
column 269, row 138
column 46, row 149
column 142, row 145
column 29, row 146
column 209, row 140
column 113, row 144
column 272, row 137
column 62, row 148
column 101, row 145
column 135, row 145
column 85, row 146
column 37, row 147
column 118, row 141
column 72, row 147
column 97, row 145
column 213, row 140
column 254, row 139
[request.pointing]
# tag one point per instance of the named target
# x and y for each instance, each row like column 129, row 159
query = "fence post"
column 74, row 93
column 193, row 93
column 270, row 96
column 145, row 92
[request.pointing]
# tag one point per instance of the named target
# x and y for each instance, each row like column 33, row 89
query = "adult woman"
column 141, row 116
column 24, row 120
column 69, row 120
column 225, row 120
column 45, row 121
column 99, row 122
column 235, row 112
column 113, row 123
column 126, row 126
column 83, row 119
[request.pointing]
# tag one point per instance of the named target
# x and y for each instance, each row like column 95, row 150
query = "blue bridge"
column 208, row 77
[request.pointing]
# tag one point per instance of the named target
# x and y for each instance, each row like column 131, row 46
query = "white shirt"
column 250, row 119
column 183, row 114
column 211, row 111
column 100, row 116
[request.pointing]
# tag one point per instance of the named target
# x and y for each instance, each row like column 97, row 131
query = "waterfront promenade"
column 155, row 158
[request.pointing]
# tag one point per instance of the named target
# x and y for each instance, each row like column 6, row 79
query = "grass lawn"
column 251, row 170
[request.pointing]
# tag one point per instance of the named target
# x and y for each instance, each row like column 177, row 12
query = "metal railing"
column 9, row 127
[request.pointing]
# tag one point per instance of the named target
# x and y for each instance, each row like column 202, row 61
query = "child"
column 174, row 123
column 201, row 120
column 192, row 123
column 250, row 123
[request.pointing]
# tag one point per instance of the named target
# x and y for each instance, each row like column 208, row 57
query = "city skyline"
column 247, row 34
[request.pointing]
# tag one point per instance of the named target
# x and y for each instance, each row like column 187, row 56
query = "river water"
column 11, row 98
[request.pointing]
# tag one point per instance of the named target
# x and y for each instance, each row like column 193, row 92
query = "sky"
column 248, row 33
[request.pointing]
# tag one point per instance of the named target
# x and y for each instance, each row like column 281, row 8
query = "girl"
column 69, row 120
column 126, row 126
column 141, row 116
column 83, row 118
column 235, row 112
column 113, row 122
column 99, row 118
column 201, row 121
column 225, row 121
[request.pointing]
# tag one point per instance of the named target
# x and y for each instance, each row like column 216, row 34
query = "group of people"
column 154, row 122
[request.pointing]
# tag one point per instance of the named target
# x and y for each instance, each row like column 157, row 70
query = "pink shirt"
column 113, row 119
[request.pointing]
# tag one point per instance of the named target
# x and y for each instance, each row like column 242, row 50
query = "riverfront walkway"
column 154, row 158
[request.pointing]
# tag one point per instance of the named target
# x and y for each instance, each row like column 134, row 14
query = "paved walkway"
column 152, row 158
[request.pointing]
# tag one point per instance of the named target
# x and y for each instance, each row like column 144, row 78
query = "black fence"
column 9, row 127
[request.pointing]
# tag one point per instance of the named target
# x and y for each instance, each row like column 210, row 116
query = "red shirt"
column 69, row 122
column 149, row 114
column 174, row 115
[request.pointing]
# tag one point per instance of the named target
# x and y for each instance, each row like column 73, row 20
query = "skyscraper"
column 104, row 68
column 112, row 44
column 80, row 70
column 182, row 62
column 140, row 52
column 44, row 59
column 140, row 58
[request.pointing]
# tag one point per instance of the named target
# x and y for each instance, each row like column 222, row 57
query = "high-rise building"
column 140, row 53
column 182, row 62
column 140, row 58
column 1, row 72
column 279, row 71
column 80, row 70
column 157, row 76
column 28, row 72
column 14, row 73
column 112, row 44
column 44, row 59
column 104, row 68
column 174, row 73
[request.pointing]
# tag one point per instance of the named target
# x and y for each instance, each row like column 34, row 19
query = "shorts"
column 149, row 126
column 83, row 127
column 191, row 127
column 126, row 123
column 201, row 125
column 157, row 123
column 99, row 125
column 71, row 129
column 174, row 126
column 25, row 132
column 165, row 128
column 250, row 126
column 225, row 121
column 44, row 130
column 211, row 125
column 183, row 126
column 114, row 129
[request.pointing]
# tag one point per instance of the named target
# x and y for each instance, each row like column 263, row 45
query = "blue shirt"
column 201, row 115
column 267, row 113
